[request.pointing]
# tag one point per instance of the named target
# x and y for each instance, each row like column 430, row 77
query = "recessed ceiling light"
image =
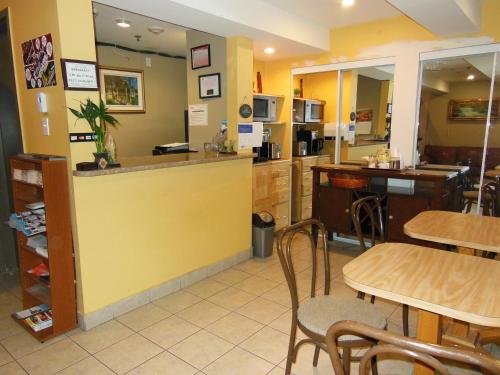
column 347, row 3
column 470, row 77
column 123, row 22
column 269, row 50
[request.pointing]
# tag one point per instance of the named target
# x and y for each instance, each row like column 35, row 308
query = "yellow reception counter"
column 155, row 225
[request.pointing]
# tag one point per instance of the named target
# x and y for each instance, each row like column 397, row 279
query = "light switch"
column 45, row 126
column 148, row 62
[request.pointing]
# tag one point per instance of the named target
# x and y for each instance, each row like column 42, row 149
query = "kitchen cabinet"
column 302, row 185
column 271, row 190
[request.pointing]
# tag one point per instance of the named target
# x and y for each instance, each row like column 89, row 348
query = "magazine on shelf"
column 31, row 311
column 39, row 321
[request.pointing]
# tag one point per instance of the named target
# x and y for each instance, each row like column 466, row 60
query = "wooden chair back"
column 369, row 210
column 391, row 343
column 309, row 228
column 490, row 194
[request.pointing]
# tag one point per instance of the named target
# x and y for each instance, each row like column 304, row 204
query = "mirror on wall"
column 491, row 166
column 454, row 102
column 367, row 109
column 143, row 78
column 315, row 112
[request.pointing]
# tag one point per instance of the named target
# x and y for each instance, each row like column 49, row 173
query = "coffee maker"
column 263, row 152
column 312, row 139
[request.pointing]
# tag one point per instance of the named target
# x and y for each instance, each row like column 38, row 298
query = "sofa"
column 471, row 156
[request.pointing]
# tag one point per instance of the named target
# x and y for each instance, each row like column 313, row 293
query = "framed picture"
column 209, row 86
column 122, row 90
column 475, row 109
column 79, row 75
column 200, row 57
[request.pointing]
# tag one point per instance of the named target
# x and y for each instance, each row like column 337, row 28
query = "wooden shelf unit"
column 60, row 295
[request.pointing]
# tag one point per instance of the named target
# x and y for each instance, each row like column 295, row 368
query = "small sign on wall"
column 79, row 75
column 198, row 115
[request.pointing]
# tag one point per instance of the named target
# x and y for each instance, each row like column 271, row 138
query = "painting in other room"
column 122, row 90
column 39, row 66
column 476, row 109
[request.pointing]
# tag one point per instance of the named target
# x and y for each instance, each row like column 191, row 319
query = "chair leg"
column 374, row 366
column 346, row 360
column 316, row 356
column 291, row 346
column 372, row 300
column 405, row 321
column 361, row 295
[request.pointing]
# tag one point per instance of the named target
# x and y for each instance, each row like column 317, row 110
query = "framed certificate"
column 209, row 86
column 200, row 57
column 79, row 75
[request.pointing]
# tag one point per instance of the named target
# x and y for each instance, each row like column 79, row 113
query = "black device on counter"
column 314, row 142
column 263, row 152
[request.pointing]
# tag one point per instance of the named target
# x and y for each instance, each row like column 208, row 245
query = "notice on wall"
column 198, row 114
column 39, row 66
column 79, row 75
column 250, row 135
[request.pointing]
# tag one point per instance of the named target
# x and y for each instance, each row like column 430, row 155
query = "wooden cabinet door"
column 261, row 191
column 400, row 210
column 335, row 209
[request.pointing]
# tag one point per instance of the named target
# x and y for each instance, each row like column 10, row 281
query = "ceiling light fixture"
column 123, row 23
column 470, row 77
column 156, row 30
column 347, row 3
column 269, row 50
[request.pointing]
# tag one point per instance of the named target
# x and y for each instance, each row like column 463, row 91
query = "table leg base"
column 428, row 330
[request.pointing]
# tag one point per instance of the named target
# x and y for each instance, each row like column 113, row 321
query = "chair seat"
column 319, row 313
column 471, row 194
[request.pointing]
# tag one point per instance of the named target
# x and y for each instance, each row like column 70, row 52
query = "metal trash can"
column 262, row 234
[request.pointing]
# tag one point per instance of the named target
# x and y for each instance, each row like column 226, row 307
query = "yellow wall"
column 165, row 85
column 443, row 132
column 142, row 229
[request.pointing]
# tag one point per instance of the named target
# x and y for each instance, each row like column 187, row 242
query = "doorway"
column 10, row 144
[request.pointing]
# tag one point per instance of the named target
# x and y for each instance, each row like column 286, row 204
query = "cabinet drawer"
column 281, row 183
column 307, row 184
column 281, row 215
column 307, row 164
column 306, row 211
column 280, row 170
column 280, row 196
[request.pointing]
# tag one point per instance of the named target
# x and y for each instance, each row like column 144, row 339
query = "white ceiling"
column 457, row 69
column 331, row 13
column 172, row 41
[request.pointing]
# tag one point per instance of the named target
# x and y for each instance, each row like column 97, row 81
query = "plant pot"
column 101, row 159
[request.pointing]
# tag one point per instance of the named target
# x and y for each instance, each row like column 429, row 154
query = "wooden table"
column 438, row 283
column 492, row 173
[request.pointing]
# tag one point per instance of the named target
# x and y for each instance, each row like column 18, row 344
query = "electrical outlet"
column 45, row 126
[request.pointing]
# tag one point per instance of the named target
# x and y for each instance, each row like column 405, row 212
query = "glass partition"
column 366, row 112
column 452, row 122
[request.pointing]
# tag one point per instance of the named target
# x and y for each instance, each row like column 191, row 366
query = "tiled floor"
column 236, row 323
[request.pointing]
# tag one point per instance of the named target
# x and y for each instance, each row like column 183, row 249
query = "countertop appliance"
column 274, row 151
column 314, row 142
column 299, row 148
column 308, row 110
column 264, row 108
column 263, row 152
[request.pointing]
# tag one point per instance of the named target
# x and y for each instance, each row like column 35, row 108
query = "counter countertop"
column 144, row 163
column 363, row 142
column 404, row 173
column 272, row 162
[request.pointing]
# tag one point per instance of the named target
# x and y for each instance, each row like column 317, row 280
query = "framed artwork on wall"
column 474, row 109
column 122, row 90
column 200, row 57
column 209, row 85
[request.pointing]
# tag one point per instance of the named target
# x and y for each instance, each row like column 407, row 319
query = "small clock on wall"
column 245, row 111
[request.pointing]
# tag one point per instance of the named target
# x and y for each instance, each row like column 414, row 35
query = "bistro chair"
column 314, row 315
column 368, row 211
column 394, row 344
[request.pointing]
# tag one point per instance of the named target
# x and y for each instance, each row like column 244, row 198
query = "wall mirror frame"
column 340, row 68
column 490, row 72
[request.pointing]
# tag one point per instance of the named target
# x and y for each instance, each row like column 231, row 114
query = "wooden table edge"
column 422, row 305
column 471, row 245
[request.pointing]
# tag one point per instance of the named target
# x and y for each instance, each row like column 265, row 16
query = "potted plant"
column 98, row 120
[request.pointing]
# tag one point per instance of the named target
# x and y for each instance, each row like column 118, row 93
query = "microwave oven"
column 264, row 108
column 314, row 110
column 306, row 110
